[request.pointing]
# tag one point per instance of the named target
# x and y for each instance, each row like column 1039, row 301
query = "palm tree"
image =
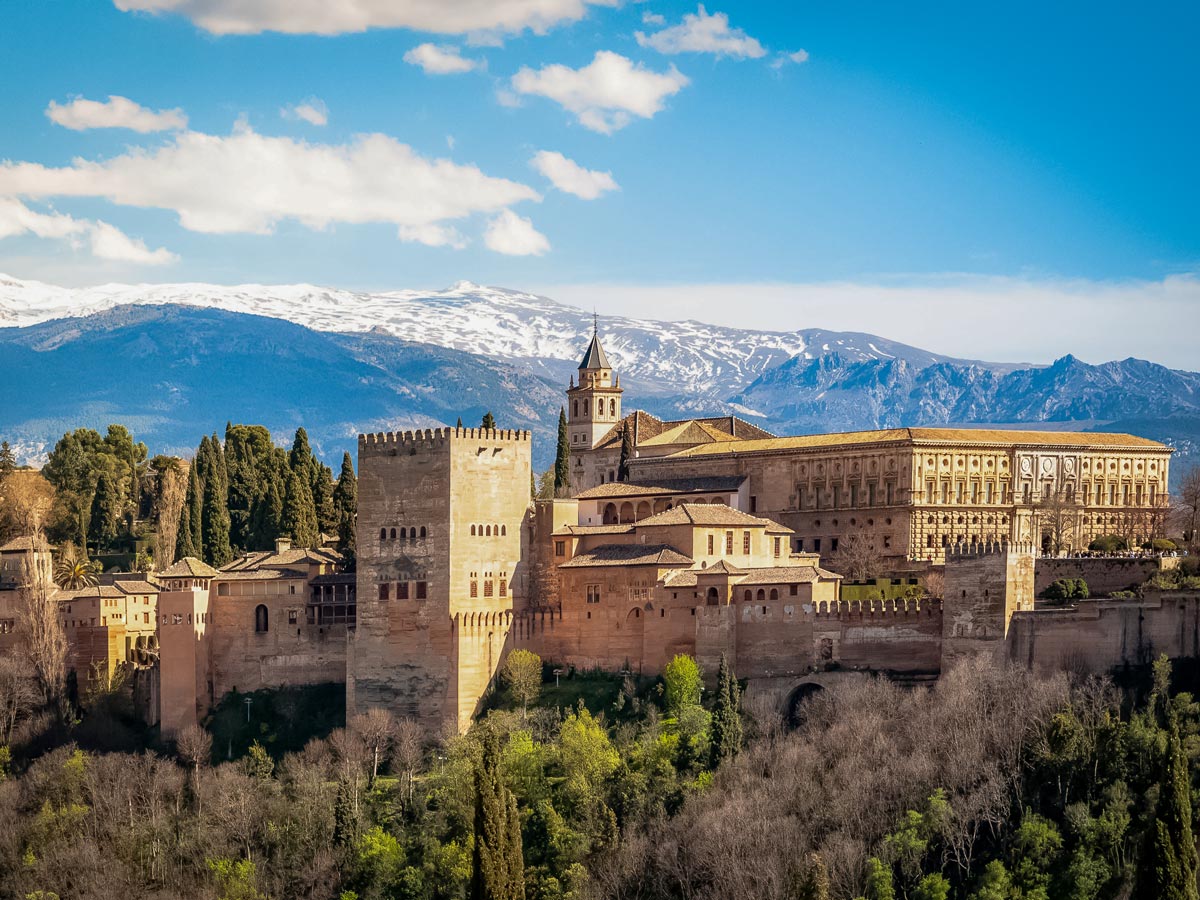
column 74, row 571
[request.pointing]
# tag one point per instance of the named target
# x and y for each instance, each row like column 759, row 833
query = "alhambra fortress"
column 708, row 536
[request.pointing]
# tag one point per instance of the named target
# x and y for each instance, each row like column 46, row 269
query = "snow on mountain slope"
column 689, row 358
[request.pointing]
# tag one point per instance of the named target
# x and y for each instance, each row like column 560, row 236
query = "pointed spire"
column 595, row 357
column 595, row 323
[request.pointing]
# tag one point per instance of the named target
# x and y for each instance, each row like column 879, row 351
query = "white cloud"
column 246, row 182
column 432, row 235
column 105, row 241
column 313, row 111
column 649, row 18
column 116, row 112
column 342, row 16
column 567, row 175
column 604, row 94
column 512, row 235
column 928, row 311
column 799, row 56
column 440, row 60
column 702, row 33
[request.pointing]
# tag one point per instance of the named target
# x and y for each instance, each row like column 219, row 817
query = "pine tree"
column 626, row 452
column 345, row 503
column 214, row 518
column 185, row 541
column 562, row 458
column 726, row 729
column 497, row 863
column 299, row 518
column 489, row 421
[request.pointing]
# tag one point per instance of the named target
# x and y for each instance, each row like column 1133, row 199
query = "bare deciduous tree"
column 859, row 556
column 44, row 641
column 409, row 751
column 376, row 728
column 1058, row 516
column 1188, row 500
column 18, row 696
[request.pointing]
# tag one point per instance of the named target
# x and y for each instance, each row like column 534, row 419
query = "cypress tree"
column 8, row 460
column 185, row 541
column 322, row 493
column 1171, row 870
column 497, row 863
column 215, row 522
column 626, row 452
column 459, row 423
column 726, row 728
column 301, row 458
column 299, row 518
column 267, row 515
column 345, row 503
column 562, row 458
column 489, row 421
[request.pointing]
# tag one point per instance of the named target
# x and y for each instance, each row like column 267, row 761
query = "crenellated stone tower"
column 441, row 527
column 594, row 404
column 984, row 585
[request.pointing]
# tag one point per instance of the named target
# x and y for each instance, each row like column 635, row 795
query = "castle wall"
column 289, row 652
column 1098, row 635
column 1103, row 575
column 985, row 584
column 185, row 682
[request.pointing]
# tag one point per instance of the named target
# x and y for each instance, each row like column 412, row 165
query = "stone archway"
column 794, row 711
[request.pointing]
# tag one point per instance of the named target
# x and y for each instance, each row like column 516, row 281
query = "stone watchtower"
column 984, row 585
column 440, row 568
column 594, row 405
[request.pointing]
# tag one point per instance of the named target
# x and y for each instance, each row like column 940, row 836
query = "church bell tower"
column 594, row 404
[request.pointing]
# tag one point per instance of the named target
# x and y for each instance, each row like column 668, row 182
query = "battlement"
column 877, row 608
column 997, row 548
column 388, row 442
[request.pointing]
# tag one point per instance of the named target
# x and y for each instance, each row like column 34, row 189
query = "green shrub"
column 1162, row 545
column 1108, row 543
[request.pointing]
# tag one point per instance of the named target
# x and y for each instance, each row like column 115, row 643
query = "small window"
column 487, row 587
column 472, row 531
column 729, row 543
column 503, row 531
column 503, row 588
column 778, row 547
column 222, row 590
column 423, row 532
column 593, row 593
column 474, row 588
column 383, row 534
column 710, row 544
column 422, row 590
column 488, row 531
column 746, row 542
column 793, row 589
column 393, row 534
column 560, row 548
column 292, row 616
column 404, row 534
column 384, row 591
column 260, row 619
column 402, row 591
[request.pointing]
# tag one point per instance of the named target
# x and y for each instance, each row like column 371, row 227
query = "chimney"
column 283, row 544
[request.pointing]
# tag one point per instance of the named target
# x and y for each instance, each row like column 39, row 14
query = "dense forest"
column 995, row 784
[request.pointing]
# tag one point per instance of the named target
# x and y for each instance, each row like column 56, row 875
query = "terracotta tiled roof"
column 105, row 591
column 787, row 575
column 702, row 485
column 22, row 545
column 692, row 432
column 189, row 566
column 261, row 575
column 269, row 559
column 336, row 578
column 721, row 567
column 594, row 529
column 629, row 555
column 136, row 587
column 925, row 436
column 710, row 514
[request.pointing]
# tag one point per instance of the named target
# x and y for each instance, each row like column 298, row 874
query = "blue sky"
column 1037, row 158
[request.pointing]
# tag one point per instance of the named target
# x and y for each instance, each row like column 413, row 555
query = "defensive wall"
column 1102, row 574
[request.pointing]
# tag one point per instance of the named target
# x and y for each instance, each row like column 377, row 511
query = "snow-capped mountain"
column 692, row 359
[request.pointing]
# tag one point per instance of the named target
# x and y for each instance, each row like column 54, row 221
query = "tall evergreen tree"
column 185, row 541
column 497, row 863
column 459, row 423
column 267, row 516
column 489, row 421
column 626, row 452
column 726, row 727
column 214, row 519
column 562, row 458
column 301, row 458
column 322, row 494
column 345, row 504
column 299, row 518
column 8, row 460
column 1170, row 871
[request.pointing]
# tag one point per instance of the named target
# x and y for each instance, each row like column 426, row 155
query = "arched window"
column 504, row 531
column 423, row 532
column 393, row 534
column 260, row 619
column 774, row 594
column 575, row 409
column 404, row 534
column 488, row 531
column 612, row 407
column 762, row 595
column 585, row 408
column 472, row 531
column 748, row 596
column 383, row 534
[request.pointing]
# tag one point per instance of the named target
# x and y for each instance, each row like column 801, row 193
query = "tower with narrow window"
column 594, row 404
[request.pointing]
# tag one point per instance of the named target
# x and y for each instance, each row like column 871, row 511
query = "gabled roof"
column 23, row 545
column 105, row 591
column 261, row 575
column 577, row 530
column 629, row 555
column 691, row 432
column 720, row 567
column 189, row 566
column 710, row 484
column 136, row 587
column 711, row 514
column 594, row 358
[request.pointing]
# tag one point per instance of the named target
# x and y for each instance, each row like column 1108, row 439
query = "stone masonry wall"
column 1103, row 576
